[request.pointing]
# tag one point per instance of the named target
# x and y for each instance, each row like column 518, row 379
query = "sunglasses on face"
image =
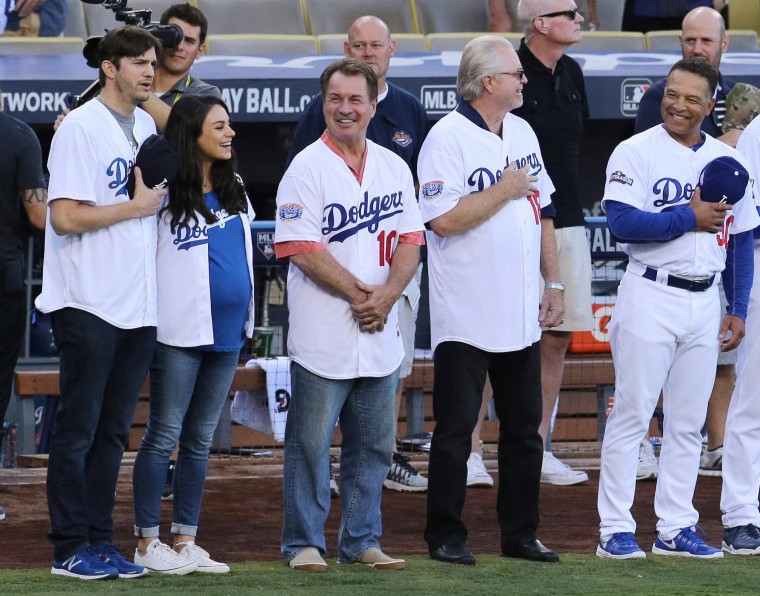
column 570, row 14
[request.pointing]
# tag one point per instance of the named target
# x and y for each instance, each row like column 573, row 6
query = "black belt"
column 682, row 283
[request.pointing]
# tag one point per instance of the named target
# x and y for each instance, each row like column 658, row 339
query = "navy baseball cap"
column 158, row 163
column 723, row 180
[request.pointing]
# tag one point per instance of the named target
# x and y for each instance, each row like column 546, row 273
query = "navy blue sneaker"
column 85, row 564
column 686, row 544
column 108, row 554
column 621, row 545
column 742, row 540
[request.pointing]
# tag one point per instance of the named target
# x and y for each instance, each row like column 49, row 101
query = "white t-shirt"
column 110, row 272
column 653, row 172
column 320, row 200
column 484, row 283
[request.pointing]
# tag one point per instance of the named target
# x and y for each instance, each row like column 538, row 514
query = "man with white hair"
column 484, row 195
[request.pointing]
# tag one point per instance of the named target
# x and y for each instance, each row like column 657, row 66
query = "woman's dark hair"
column 183, row 128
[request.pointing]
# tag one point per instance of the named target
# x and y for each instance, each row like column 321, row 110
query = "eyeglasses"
column 570, row 14
column 520, row 73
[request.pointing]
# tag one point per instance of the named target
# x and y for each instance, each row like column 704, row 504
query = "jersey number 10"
column 386, row 247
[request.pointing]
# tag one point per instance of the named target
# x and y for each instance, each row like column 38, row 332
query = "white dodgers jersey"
column 320, row 200
column 484, row 283
column 653, row 172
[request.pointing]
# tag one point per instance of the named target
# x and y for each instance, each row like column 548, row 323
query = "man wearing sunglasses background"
column 502, row 15
column 556, row 107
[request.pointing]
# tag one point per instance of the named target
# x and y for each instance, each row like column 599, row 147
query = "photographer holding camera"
column 172, row 77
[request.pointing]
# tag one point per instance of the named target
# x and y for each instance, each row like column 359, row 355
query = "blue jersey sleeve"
column 634, row 226
column 737, row 276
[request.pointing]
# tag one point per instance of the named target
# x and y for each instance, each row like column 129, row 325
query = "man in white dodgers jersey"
column 99, row 281
column 741, row 448
column 484, row 193
column 348, row 220
column 666, row 333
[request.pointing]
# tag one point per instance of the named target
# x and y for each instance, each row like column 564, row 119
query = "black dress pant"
column 460, row 373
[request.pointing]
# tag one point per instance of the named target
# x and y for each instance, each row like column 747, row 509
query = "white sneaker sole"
column 564, row 480
column 403, row 488
column 603, row 554
column 681, row 553
column 65, row 573
column 480, row 483
column 220, row 568
column 183, row 570
column 740, row 551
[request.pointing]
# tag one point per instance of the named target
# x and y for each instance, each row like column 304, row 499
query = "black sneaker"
column 403, row 477
column 168, row 493
column 742, row 540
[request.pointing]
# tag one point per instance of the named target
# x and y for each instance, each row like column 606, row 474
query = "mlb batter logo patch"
column 402, row 139
column 291, row 212
column 432, row 189
column 631, row 93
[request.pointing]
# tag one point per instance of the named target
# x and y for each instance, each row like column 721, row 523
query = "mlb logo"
column 265, row 243
column 631, row 93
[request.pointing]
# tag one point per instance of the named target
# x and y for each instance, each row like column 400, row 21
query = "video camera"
column 170, row 36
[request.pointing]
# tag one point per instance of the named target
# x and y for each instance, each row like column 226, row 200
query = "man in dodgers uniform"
column 348, row 220
column 741, row 448
column 99, row 281
column 703, row 37
column 666, row 333
column 485, row 196
column 400, row 125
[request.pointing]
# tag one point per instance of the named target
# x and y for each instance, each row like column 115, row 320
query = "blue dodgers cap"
column 723, row 180
column 158, row 163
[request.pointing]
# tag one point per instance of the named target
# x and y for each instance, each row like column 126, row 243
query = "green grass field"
column 576, row 574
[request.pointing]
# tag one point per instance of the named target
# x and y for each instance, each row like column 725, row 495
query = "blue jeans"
column 365, row 409
column 188, row 389
column 102, row 370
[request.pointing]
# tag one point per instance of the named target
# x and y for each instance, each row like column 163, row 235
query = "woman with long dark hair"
column 205, row 311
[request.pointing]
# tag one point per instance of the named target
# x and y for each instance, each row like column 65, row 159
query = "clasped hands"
column 372, row 305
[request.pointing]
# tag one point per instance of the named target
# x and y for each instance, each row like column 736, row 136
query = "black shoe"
column 532, row 550
column 454, row 552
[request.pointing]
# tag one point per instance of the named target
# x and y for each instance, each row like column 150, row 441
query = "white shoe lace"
column 163, row 552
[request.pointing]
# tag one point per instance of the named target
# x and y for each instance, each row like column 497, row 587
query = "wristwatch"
column 555, row 286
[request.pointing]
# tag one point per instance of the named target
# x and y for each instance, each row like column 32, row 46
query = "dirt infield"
column 242, row 516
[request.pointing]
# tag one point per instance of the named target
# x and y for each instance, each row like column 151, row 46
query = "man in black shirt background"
column 555, row 105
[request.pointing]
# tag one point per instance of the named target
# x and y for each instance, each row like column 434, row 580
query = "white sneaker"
column 191, row 552
column 647, row 464
column 711, row 461
column 476, row 472
column 161, row 558
column 556, row 472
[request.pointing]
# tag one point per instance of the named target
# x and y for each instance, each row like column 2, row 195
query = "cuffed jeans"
column 460, row 373
column 102, row 369
column 188, row 389
column 365, row 409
